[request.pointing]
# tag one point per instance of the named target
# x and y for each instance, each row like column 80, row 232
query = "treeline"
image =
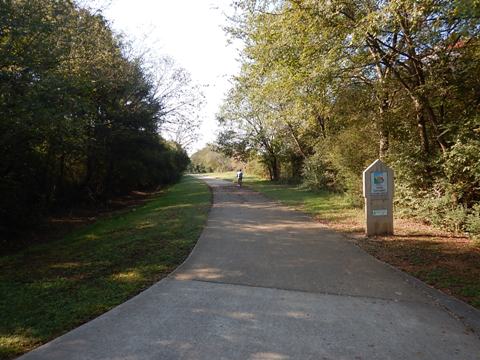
column 327, row 86
column 208, row 160
column 79, row 117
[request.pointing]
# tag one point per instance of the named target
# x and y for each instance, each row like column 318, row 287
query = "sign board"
column 378, row 190
column 380, row 212
column 379, row 182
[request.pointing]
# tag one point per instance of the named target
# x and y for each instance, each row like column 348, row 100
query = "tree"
column 209, row 160
column 182, row 102
column 79, row 119
column 328, row 79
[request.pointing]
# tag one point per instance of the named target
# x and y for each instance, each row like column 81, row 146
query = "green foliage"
column 209, row 160
column 472, row 221
column 319, row 174
column 442, row 213
column 440, row 210
column 79, row 119
column 328, row 86
column 461, row 166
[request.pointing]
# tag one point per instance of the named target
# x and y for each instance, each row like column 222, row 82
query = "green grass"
column 48, row 289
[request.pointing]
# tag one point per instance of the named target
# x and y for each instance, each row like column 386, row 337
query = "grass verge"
column 446, row 261
column 48, row 289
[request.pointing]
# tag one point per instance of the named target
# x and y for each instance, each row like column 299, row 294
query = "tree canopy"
column 327, row 86
column 79, row 117
column 208, row 159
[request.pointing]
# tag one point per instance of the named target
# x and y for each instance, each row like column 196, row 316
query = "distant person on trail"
column 239, row 177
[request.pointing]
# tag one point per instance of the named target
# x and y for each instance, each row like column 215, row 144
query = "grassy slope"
column 446, row 261
column 51, row 288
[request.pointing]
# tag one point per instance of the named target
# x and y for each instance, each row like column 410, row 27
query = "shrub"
column 462, row 169
column 472, row 222
column 319, row 174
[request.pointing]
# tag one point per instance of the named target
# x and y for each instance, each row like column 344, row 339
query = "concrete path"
column 265, row 282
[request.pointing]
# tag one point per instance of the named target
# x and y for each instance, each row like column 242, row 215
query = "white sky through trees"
column 190, row 32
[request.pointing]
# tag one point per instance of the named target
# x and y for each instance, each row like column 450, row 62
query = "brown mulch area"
column 446, row 261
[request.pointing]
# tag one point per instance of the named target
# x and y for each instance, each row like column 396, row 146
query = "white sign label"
column 379, row 183
column 380, row 212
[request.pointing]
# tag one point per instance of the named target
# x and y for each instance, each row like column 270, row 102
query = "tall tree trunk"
column 321, row 122
column 383, row 132
column 48, row 182
column 295, row 139
column 108, row 191
column 61, row 176
column 432, row 118
column 275, row 168
column 383, row 143
column 421, row 125
column 270, row 172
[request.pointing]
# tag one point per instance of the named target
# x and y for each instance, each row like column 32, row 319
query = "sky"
column 189, row 31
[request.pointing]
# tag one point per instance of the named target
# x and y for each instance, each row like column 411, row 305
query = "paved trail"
column 266, row 282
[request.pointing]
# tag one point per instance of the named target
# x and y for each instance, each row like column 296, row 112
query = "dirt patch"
column 447, row 261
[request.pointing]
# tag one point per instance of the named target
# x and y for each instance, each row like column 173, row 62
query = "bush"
column 462, row 168
column 440, row 211
column 472, row 222
column 319, row 174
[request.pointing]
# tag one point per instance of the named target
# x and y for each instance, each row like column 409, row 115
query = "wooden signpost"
column 378, row 194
